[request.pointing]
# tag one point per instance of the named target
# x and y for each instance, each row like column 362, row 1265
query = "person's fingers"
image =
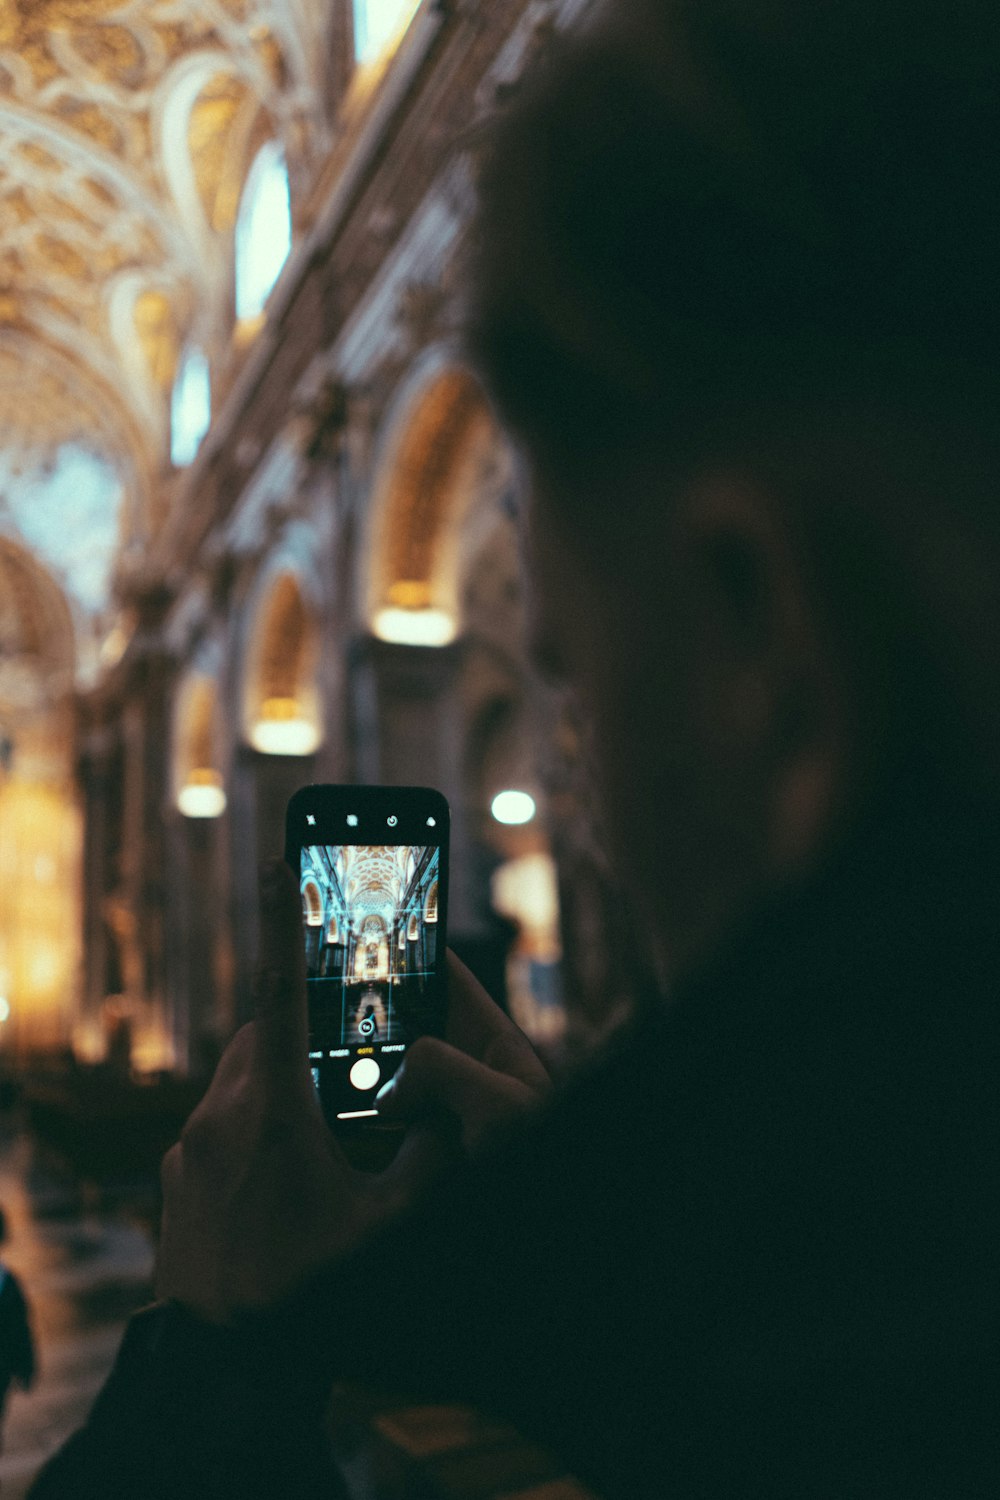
column 281, row 1031
column 436, row 1078
column 477, row 1026
column 420, row 1161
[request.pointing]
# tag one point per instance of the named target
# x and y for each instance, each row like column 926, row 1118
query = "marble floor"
column 84, row 1257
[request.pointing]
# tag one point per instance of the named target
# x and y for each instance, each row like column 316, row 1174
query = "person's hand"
column 484, row 1077
column 257, row 1193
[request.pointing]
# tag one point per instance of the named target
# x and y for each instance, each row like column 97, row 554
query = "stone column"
column 261, row 786
column 99, row 774
column 408, row 731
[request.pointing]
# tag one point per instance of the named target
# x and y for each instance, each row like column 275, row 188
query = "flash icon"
column 311, row 819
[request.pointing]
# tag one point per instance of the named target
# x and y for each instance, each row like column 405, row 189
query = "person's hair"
column 764, row 235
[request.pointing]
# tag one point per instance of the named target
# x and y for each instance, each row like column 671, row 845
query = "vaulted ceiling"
column 127, row 128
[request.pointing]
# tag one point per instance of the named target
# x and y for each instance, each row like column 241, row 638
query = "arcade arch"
column 197, row 779
column 438, row 444
column 281, row 706
column 312, row 902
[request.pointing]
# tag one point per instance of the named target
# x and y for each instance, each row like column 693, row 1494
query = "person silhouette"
column 734, row 301
column 17, row 1347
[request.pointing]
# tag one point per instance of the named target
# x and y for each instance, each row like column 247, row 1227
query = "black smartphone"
column 372, row 863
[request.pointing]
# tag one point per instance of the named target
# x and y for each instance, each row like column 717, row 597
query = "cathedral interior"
column 258, row 529
column 258, row 526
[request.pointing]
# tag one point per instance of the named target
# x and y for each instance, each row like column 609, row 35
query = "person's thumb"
column 438, row 1080
column 279, row 985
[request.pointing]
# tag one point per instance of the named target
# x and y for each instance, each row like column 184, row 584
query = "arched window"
column 190, row 408
column 431, row 908
column 263, row 230
column 376, row 22
column 312, row 904
column 413, row 929
column 332, row 933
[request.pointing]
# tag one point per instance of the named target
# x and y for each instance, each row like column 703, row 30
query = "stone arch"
column 195, row 761
column 174, row 106
column 440, row 435
column 281, row 707
column 431, row 904
column 37, row 638
column 312, row 903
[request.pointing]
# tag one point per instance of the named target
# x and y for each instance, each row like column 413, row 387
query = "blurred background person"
column 17, row 1347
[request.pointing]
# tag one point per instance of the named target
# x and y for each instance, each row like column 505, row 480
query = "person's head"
column 734, row 298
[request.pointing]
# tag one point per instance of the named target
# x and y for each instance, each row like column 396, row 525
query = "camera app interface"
column 371, row 914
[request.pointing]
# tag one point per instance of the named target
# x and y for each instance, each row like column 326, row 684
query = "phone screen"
column 373, row 917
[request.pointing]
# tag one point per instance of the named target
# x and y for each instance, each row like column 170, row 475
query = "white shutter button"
column 366, row 1073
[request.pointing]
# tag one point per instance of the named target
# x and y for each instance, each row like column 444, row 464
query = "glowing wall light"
column 283, row 729
column 414, row 627
column 202, row 795
column 513, row 807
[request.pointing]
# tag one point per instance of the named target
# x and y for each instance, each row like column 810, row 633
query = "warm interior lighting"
column 90, row 1045
column 39, row 912
column 283, row 729
column 414, row 627
column 202, row 795
column 153, row 1050
column 513, row 807
column 4, row 1009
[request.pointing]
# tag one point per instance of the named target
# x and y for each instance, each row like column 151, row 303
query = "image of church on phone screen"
column 371, row 916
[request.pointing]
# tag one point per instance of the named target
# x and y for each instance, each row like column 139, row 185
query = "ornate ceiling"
column 127, row 128
column 375, row 878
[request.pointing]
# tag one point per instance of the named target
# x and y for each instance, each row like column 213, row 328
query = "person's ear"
column 774, row 683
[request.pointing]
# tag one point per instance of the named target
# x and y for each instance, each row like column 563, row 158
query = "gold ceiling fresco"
column 127, row 128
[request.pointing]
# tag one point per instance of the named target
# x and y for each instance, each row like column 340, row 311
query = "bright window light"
column 513, row 807
column 263, row 231
column 414, row 627
column 376, row 23
column 190, row 408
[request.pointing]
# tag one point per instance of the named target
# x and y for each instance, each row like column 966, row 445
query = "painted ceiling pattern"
column 375, row 879
column 127, row 128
